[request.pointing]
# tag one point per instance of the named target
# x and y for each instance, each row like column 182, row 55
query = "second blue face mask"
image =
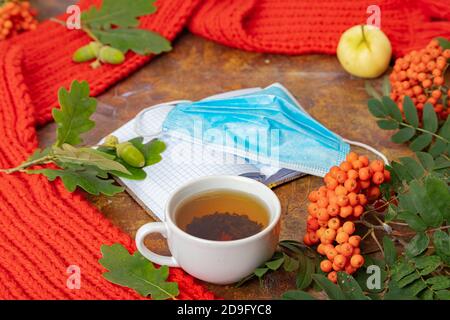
column 267, row 126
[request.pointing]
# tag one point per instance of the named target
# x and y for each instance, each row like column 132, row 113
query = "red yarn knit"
column 44, row 228
column 306, row 26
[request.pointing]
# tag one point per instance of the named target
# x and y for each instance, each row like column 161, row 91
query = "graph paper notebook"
column 183, row 161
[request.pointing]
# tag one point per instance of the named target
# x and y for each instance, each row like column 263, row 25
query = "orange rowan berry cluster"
column 420, row 75
column 347, row 190
column 15, row 17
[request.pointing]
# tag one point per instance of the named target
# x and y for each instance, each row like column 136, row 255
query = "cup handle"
column 146, row 229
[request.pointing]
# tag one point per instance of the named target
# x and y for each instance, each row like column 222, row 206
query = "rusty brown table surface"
column 197, row 68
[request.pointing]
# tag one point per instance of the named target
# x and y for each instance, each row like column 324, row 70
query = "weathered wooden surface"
column 197, row 68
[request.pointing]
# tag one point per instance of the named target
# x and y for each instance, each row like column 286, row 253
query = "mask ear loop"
column 140, row 116
column 367, row 147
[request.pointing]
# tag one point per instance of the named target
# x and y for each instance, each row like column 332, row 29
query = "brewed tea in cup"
column 218, row 228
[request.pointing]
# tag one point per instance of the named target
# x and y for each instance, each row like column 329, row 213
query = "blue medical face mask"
column 267, row 126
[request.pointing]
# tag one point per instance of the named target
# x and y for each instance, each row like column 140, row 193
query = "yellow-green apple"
column 364, row 51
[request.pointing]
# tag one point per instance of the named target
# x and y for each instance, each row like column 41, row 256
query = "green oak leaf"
column 137, row 273
column 117, row 13
column 88, row 156
column 390, row 253
column 85, row 178
column 151, row 150
column 72, row 118
column 39, row 154
column 134, row 173
column 417, row 245
column 140, row 41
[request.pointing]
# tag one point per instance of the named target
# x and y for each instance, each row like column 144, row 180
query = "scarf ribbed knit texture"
column 43, row 228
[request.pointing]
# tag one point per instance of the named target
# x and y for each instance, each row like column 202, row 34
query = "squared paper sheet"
column 183, row 162
column 175, row 169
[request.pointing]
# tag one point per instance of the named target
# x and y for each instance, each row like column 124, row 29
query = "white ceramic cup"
column 219, row 262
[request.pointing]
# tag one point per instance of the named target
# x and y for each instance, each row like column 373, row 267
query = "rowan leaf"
column 439, row 195
column 416, row 287
column 305, row 272
column 387, row 124
column 397, row 293
column 275, row 264
column 427, row 295
column 441, row 145
column 297, row 295
column 401, row 269
column 386, row 86
column 260, row 272
column 371, row 91
column 427, row 264
column 413, row 167
column 426, row 160
column 117, row 13
column 333, row 291
column 441, row 241
column 376, row 108
column 290, row 264
column 85, row 178
column 430, row 120
column 410, row 112
column 403, row 135
column 392, row 108
column 413, row 220
column 443, row 294
column 410, row 278
column 417, row 245
column 141, row 41
column 72, row 118
column 443, row 42
column 439, row 282
column 427, row 209
column 137, row 273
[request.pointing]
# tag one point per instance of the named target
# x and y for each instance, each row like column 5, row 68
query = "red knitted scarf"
column 44, row 228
